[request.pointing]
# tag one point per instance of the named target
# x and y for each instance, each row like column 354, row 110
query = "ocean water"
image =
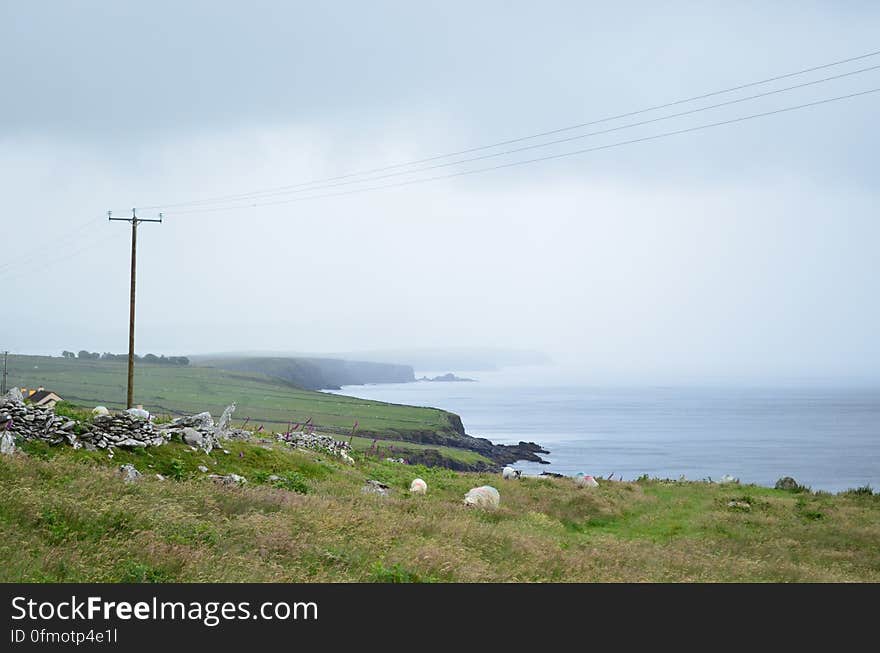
column 825, row 437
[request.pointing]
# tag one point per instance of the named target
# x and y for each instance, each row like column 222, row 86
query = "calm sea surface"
column 827, row 438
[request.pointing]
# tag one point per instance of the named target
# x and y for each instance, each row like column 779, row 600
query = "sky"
column 743, row 251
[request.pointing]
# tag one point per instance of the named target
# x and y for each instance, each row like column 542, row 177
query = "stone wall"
column 19, row 420
column 29, row 422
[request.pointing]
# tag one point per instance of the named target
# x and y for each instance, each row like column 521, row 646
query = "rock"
column 202, row 469
column 418, row 486
column 131, row 442
column 7, row 443
column 198, row 421
column 225, row 419
column 138, row 412
column 159, row 477
column 376, row 487
column 552, row 475
column 739, row 505
column 129, row 473
column 321, row 443
column 14, row 396
column 727, row 478
column 228, row 479
column 485, row 496
column 509, row 473
column 585, row 480
column 192, row 437
column 787, row 483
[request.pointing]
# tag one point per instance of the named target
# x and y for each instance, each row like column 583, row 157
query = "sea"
column 825, row 437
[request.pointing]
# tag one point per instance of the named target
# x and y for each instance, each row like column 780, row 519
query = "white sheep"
column 509, row 472
column 418, row 486
column 585, row 480
column 484, row 496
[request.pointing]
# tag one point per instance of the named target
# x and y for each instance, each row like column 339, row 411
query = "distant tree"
column 68, row 354
column 151, row 358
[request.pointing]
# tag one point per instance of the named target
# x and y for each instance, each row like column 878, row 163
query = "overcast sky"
column 744, row 251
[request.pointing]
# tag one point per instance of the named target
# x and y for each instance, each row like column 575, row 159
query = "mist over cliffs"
column 312, row 373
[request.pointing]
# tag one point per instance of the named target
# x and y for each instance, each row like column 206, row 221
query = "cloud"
column 740, row 251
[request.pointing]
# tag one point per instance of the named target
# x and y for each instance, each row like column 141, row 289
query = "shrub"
column 176, row 469
column 864, row 490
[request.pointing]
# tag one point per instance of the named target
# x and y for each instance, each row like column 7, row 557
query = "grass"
column 67, row 516
column 398, row 449
column 170, row 390
column 187, row 390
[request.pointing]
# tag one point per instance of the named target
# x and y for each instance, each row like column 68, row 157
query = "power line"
column 551, row 132
column 94, row 243
column 44, row 243
column 568, row 139
column 543, row 158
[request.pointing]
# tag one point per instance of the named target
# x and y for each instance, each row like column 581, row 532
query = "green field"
column 66, row 516
column 273, row 403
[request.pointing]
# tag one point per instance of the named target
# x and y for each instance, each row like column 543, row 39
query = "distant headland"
column 449, row 377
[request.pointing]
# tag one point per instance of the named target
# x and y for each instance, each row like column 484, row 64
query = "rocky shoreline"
column 456, row 437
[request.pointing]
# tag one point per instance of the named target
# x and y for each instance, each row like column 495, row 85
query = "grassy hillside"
column 312, row 373
column 66, row 516
column 175, row 390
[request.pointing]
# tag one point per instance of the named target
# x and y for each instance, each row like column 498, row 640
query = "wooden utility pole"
column 134, row 220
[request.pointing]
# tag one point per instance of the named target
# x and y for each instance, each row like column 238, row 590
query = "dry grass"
column 70, row 518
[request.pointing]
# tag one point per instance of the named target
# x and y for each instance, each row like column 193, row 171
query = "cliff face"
column 315, row 373
column 455, row 436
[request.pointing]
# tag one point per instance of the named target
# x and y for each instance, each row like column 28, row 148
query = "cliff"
column 314, row 373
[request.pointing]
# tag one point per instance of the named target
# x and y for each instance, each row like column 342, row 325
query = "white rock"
column 376, row 487
column 7, row 443
column 129, row 473
column 418, row 486
column 12, row 397
column 192, row 437
column 100, row 410
column 203, row 469
column 484, row 496
column 228, row 479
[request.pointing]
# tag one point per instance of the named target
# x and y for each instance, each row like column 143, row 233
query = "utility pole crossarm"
column 134, row 221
